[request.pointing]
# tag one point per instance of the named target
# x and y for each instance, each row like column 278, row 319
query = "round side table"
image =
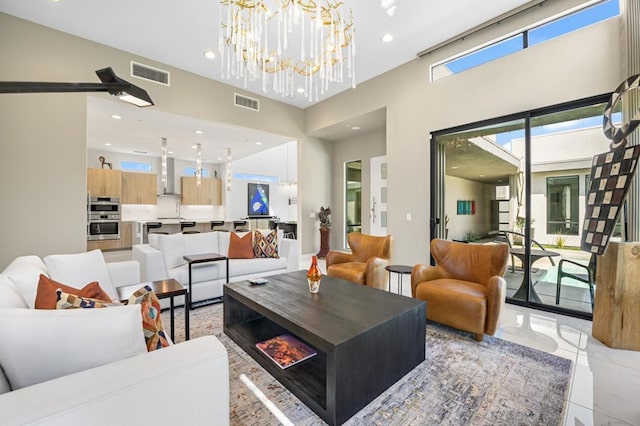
column 400, row 270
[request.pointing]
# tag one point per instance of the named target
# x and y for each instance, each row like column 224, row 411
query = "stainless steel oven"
column 103, row 218
column 103, row 230
column 104, row 205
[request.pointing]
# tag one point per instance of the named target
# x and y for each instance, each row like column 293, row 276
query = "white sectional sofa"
column 166, row 386
column 163, row 258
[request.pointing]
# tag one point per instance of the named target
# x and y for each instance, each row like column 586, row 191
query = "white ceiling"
column 178, row 33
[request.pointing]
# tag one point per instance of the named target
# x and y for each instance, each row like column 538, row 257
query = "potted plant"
column 325, row 231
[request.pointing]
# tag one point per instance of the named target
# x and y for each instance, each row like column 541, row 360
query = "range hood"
column 169, row 187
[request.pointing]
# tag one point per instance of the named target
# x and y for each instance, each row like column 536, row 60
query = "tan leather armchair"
column 466, row 290
column 366, row 262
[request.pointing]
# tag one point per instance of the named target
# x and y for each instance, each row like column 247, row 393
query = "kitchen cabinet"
column 104, row 182
column 209, row 192
column 139, row 188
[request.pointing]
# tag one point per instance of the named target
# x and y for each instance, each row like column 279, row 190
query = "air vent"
column 246, row 102
column 148, row 73
column 140, row 152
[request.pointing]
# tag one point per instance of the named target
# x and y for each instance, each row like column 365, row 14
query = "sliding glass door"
column 521, row 180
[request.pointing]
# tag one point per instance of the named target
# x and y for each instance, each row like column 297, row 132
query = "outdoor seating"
column 536, row 253
column 586, row 275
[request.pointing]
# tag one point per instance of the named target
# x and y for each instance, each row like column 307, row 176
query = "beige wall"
column 362, row 147
column 580, row 64
column 315, row 174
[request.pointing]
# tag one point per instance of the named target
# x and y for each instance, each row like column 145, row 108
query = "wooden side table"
column 400, row 270
column 203, row 258
column 164, row 288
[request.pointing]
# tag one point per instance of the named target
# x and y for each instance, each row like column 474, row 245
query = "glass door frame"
column 436, row 227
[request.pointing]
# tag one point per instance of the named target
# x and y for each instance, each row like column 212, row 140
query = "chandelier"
column 260, row 39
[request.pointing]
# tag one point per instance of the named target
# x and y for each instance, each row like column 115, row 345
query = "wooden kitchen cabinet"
column 209, row 192
column 104, row 182
column 139, row 188
column 126, row 235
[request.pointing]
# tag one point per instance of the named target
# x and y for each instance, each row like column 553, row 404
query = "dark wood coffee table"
column 366, row 339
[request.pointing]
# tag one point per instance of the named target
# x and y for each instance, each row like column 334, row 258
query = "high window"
column 532, row 36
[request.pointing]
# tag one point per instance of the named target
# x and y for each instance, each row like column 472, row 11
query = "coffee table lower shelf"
column 306, row 379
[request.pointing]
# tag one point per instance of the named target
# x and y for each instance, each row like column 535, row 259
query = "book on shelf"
column 285, row 350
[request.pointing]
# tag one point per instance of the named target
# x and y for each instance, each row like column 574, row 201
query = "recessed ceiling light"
column 300, row 89
column 355, row 128
column 481, row 175
column 116, row 117
column 219, row 158
column 258, row 143
column 194, row 146
column 387, row 38
column 107, row 144
column 347, row 125
column 169, row 152
column 454, row 167
column 199, row 132
column 209, row 54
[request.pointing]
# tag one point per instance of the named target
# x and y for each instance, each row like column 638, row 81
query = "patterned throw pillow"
column 72, row 301
column 154, row 334
column 265, row 245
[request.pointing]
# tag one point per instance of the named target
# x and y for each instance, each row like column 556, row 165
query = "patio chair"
column 587, row 275
column 536, row 253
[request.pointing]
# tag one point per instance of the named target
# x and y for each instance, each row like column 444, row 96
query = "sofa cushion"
column 39, row 345
column 46, row 297
column 9, row 295
column 154, row 335
column 4, row 382
column 200, row 272
column 204, row 242
column 78, row 269
column 173, row 249
column 242, row 267
column 24, row 273
column 265, row 245
column 240, row 247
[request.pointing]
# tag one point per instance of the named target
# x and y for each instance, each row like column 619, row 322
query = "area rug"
column 461, row 382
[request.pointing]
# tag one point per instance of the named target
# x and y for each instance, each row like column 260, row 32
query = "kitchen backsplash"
column 170, row 207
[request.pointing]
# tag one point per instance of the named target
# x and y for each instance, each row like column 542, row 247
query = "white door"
column 378, row 213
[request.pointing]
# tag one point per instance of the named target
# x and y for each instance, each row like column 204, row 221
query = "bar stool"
column 155, row 225
column 216, row 224
column 188, row 225
column 240, row 226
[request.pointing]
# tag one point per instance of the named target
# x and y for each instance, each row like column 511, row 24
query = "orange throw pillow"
column 240, row 248
column 46, row 297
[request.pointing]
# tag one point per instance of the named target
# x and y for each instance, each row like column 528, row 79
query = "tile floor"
column 605, row 384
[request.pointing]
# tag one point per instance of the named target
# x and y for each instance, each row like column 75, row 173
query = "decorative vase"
column 325, row 242
column 314, row 276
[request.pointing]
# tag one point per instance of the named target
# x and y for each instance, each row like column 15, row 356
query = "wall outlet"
column 312, row 215
column 408, row 217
